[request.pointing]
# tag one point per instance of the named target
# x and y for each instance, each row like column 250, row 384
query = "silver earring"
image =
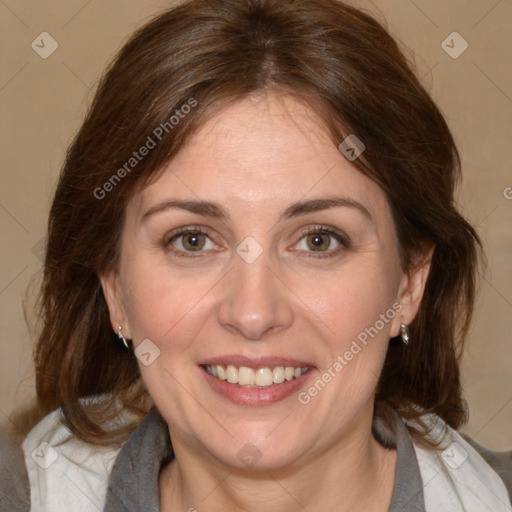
column 123, row 339
column 404, row 333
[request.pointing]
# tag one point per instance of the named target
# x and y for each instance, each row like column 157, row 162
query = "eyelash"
column 339, row 237
column 181, row 232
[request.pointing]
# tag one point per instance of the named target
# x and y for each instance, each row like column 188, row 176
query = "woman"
column 257, row 284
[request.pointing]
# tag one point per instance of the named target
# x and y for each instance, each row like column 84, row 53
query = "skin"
column 255, row 158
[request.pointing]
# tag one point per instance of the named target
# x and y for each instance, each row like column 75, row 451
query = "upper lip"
column 255, row 362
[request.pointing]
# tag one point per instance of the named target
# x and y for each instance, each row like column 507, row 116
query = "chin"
column 261, row 451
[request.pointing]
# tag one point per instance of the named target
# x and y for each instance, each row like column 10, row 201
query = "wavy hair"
column 338, row 60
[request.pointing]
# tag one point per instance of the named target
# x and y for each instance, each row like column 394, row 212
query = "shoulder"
column 501, row 462
column 14, row 489
column 455, row 472
column 64, row 472
column 133, row 482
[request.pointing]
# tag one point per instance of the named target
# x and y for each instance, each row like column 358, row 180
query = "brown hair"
column 207, row 54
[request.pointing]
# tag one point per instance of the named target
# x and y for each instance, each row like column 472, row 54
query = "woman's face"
column 291, row 261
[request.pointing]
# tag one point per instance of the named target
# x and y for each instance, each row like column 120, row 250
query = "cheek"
column 350, row 302
column 354, row 311
column 163, row 305
column 354, row 314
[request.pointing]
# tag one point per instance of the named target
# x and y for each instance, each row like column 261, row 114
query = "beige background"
column 42, row 102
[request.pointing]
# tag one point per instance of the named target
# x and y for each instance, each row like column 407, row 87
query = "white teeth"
column 245, row 376
column 278, row 375
column 262, row 377
column 231, row 374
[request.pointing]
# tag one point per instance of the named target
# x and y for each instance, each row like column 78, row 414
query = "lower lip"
column 256, row 396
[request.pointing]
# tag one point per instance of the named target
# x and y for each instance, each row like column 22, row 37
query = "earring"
column 123, row 339
column 404, row 333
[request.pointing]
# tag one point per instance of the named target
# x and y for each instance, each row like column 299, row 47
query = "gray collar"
column 408, row 491
column 133, row 483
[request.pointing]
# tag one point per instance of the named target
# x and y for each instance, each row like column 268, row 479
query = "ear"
column 411, row 289
column 114, row 299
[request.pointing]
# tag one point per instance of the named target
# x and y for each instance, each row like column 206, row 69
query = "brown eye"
column 193, row 241
column 189, row 240
column 318, row 242
column 324, row 241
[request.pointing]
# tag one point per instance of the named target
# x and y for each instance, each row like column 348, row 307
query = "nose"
column 255, row 302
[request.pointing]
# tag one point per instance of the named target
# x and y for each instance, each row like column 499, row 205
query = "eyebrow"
column 214, row 210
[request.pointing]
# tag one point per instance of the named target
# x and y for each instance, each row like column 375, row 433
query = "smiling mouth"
column 263, row 377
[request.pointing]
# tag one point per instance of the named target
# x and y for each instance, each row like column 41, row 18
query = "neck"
column 356, row 473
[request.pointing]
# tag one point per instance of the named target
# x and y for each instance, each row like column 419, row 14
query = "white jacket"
column 68, row 475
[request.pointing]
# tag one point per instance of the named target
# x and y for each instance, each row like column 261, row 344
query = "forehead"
column 261, row 152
